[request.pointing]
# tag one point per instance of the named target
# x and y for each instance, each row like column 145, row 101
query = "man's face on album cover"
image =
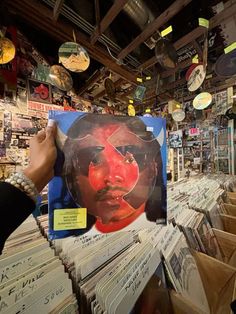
column 114, row 177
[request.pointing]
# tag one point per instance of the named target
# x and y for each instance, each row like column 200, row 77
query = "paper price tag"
column 230, row 48
column 166, row 31
column 70, row 219
column 203, row 22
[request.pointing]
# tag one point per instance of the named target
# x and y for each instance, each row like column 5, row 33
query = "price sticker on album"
column 70, row 219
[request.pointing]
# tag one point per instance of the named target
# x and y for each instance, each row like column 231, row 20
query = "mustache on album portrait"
column 103, row 192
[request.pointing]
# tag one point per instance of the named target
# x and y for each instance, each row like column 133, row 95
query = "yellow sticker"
column 131, row 101
column 230, row 48
column 148, row 78
column 166, row 31
column 70, row 219
column 195, row 59
column 203, row 22
column 139, row 79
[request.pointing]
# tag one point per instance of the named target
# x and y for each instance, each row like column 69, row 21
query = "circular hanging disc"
column 178, row 115
column 60, row 78
column 74, row 57
column 202, row 101
column 190, row 70
column 7, row 50
column 226, row 64
column 196, row 78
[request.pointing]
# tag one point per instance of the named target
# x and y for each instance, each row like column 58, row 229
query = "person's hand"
column 43, row 155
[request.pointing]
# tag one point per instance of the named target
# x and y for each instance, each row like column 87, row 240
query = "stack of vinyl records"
column 32, row 278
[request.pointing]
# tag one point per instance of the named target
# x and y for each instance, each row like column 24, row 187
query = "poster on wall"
column 110, row 174
column 176, row 139
column 39, row 91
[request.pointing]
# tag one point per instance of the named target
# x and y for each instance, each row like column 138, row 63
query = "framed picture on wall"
column 39, row 91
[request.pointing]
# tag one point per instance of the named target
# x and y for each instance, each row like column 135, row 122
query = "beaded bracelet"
column 20, row 181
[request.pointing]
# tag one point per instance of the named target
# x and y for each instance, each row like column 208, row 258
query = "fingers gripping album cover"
column 110, row 174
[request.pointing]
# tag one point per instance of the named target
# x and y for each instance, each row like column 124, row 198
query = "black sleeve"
column 15, row 207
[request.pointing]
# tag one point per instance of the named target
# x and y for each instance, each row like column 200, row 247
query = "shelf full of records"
column 187, row 266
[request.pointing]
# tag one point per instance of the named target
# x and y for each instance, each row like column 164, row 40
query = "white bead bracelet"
column 23, row 183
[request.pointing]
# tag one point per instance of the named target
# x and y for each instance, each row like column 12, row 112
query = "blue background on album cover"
column 58, row 194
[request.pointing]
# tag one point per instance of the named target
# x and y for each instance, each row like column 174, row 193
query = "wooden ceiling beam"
column 57, row 8
column 97, row 13
column 226, row 14
column 162, row 19
column 183, row 41
column 108, row 19
column 40, row 16
column 91, row 80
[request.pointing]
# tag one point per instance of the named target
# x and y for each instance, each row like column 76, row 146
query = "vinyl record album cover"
column 110, row 174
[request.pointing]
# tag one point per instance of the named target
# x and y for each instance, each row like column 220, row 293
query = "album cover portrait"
column 112, row 168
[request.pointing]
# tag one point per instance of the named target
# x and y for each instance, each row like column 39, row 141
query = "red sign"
column 194, row 132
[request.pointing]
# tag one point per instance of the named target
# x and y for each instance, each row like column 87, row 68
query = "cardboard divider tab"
column 181, row 305
column 227, row 243
column 229, row 209
column 231, row 194
column 218, row 280
column 232, row 200
column 229, row 223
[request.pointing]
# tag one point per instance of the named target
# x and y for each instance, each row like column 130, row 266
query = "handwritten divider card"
column 5, row 261
column 109, row 251
column 46, row 298
column 24, row 264
column 29, row 288
column 129, row 294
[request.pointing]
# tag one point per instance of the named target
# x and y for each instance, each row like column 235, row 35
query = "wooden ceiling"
column 51, row 20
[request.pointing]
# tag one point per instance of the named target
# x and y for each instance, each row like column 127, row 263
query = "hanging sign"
column 178, row 115
column 202, row 101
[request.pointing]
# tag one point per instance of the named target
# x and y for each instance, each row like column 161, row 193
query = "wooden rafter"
column 227, row 13
column 91, row 80
column 40, row 16
column 183, row 41
column 97, row 14
column 108, row 18
column 57, row 8
column 173, row 9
